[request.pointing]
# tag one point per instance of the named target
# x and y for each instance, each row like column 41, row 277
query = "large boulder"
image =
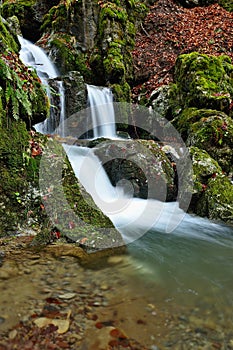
column 202, row 81
column 141, row 168
column 210, row 130
column 213, row 191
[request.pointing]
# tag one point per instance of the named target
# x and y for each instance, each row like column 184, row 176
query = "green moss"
column 217, row 199
column 13, row 143
column 23, row 95
column 209, row 130
column 213, row 192
column 116, row 32
column 27, row 16
column 16, row 7
column 8, row 42
column 202, row 81
column 226, row 4
column 67, row 57
column 121, row 92
column 56, row 18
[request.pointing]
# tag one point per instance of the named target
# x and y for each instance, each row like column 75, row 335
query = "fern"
column 23, row 99
column 15, row 107
column 5, row 70
column 8, row 92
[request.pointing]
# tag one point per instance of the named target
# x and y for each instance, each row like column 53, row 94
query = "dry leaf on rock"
column 63, row 325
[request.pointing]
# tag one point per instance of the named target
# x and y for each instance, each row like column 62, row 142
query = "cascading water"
column 194, row 262
column 35, row 57
column 191, row 262
column 103, row 117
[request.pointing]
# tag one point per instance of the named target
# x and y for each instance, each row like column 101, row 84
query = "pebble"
column 67, row 296
column 12, row 334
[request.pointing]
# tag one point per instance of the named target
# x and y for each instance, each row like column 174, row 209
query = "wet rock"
column 210, row 130
column 75, row 92
column 213, row 191
column 8, row 270
column 159, row 100
column 202, row 81
column 138, row 168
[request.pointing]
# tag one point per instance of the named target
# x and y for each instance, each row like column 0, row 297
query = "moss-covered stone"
column 22, row 101
column 8, row 41
column 23, row 9
column 142, row 164
column 213, row 191
column 30, row 14
column 121, row 92
column 202, row 81
column 69, row 207
column 65, row 54
column 209, row 130
column 111, row 57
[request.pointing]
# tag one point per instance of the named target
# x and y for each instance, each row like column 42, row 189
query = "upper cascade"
column 34, row 56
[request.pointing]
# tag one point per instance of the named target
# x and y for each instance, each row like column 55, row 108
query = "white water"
column 192, row 263
column 103, row 117
column 133, row 217
column 33, row 56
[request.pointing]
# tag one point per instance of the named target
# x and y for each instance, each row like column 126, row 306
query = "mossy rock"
column 23, row 9
column 8, row 40
column 111, row 58
column 23, row 101
column 209, row 130
column 141, row 167
column 215, row 135
column 69, row 207
column 226, row 4
column 63, row 50
column 30, row 14
column 202, row 81
column 213, row 191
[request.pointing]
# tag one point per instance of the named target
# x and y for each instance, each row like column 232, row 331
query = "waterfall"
column 33, row 56
column 133, row 217
column 100, row 100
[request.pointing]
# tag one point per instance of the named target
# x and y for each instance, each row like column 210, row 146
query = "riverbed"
column 136, row 300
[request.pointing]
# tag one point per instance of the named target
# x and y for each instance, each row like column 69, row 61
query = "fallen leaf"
column 63, row 325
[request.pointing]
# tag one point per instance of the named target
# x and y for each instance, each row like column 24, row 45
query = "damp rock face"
column 210, row 130
column 203, row 81
column 213, row 191
column 23, row 101
column 199, row 105
column 139, row 167
column 30, row 14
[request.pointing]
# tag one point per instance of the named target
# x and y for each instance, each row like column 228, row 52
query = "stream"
column 172, row 289
column 166, row 293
